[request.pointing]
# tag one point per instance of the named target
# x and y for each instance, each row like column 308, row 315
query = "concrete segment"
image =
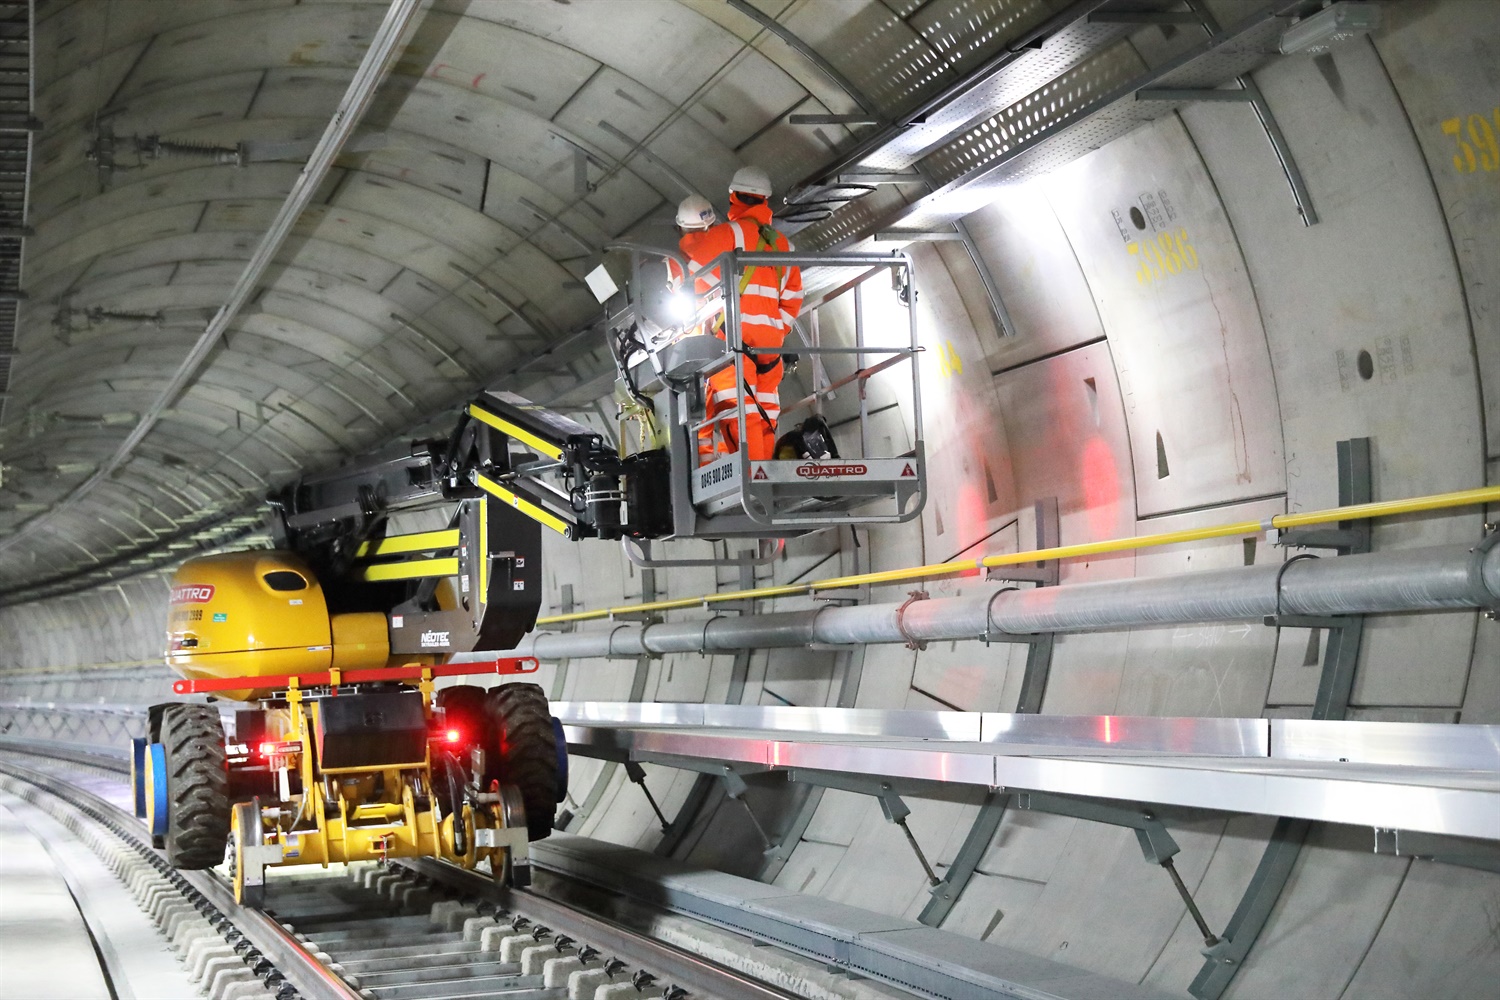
column 1141, row 389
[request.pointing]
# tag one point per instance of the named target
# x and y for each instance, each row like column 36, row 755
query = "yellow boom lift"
column 347, row 748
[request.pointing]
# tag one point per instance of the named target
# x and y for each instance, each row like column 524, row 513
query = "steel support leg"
column 1335, row 683
column 946, row 892
column 637, row 774
column 1225, row 958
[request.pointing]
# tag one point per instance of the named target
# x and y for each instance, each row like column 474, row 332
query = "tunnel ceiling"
column 445, row 249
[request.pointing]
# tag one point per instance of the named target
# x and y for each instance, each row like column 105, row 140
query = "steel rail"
column 279, row 945
column 309, row 976
column 372, row 71
column 680, row 965
column 1281, row 522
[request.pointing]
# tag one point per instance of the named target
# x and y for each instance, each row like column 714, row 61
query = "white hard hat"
column 751, row 180
column 695, row 213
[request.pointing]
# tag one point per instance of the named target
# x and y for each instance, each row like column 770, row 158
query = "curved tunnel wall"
column 1145, row 398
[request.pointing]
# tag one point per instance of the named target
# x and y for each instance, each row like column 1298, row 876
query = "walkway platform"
column 46, row 949
column 891, row 949
column 1416, row 777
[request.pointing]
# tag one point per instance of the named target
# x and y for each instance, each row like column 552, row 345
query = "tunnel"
column 1112, row 613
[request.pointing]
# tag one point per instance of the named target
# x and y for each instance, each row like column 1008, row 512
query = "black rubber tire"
column 465, row 708
column 527, row 755
column 197, row 786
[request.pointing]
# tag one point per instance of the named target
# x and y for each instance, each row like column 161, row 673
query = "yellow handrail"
column 1356, row 512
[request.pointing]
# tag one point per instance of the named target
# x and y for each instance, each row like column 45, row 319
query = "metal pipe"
column 1384, row 508
column 1429, row 579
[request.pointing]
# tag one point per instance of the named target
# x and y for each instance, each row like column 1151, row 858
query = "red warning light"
column 267, row 749
column 453, row 736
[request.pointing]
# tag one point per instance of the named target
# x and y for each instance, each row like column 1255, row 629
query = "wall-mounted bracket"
column 732, row 775
column 1177, row 95
column 566, row 606
column 637, row 774
column 844, row 595
column 1143, row 17
column 1048, row 536
column 855, row 119
column 998, row 311
column 1257, row 101
column 917, row 236
column 857, row 177
column 1157, row 845
column 892, row 806
column 1466, row 852
column 644, row 617
column 639, row 551
column 743, row 605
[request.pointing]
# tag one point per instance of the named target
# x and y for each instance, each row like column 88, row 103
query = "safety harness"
column 768, row 237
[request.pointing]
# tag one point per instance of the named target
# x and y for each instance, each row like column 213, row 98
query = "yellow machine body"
column 260, row 614
column 359, row 813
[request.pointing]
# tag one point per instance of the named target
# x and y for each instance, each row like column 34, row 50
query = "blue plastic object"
column 562, row 758
column 138, row 774
column 158, row 789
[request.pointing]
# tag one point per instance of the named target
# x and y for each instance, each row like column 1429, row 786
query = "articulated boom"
column 338, row 636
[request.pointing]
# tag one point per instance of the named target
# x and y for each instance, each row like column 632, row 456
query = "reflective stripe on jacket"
column 772, row 296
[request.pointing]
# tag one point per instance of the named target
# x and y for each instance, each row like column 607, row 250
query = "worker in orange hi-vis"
column 694, row 217
column 770, row 299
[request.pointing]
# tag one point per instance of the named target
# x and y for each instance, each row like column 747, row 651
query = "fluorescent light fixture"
column 1333, row 24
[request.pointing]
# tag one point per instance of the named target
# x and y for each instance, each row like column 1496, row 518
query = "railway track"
column 406, row 930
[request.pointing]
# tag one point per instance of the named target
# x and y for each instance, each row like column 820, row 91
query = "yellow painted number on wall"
column 948, row 360
column 1170, row 253
column 1477, row 148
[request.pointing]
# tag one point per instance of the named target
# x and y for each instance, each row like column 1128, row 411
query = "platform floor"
column 68, row 927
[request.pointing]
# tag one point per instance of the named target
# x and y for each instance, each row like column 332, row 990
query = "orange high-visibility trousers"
column 724, row 394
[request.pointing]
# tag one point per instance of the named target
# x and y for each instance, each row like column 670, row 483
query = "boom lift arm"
column 511, row 468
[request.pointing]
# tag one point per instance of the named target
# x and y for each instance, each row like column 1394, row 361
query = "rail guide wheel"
column 512, row 815
column 246, row 832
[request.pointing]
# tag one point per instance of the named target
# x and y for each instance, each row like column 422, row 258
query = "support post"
column 1335, row 683
column 1252, row 95
column 1033, row 686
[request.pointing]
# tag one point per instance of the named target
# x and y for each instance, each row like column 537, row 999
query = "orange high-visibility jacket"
column 772, row 298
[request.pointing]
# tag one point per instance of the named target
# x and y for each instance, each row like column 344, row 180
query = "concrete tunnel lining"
column 1144, row 399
